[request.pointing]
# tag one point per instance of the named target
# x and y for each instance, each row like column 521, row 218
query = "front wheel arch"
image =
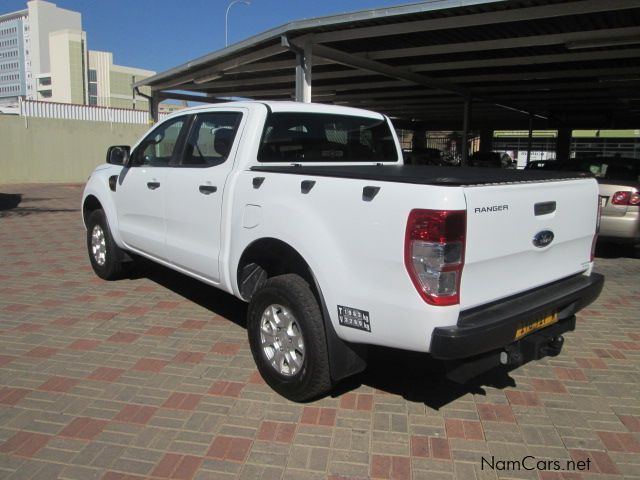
column 90, row 205
column 105, row 256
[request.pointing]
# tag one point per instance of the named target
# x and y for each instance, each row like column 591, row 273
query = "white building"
column 14, row 35
column 44, row 56
column 110, row 85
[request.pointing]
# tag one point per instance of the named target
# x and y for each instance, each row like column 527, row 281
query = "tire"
column 301, row 371
column 104, row 254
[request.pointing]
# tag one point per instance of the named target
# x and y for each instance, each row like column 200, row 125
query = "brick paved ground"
column 151, row 377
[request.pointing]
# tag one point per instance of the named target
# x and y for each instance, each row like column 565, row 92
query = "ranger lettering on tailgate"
column 492, row 208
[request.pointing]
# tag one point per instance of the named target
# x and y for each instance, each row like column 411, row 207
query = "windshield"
column 318, row 137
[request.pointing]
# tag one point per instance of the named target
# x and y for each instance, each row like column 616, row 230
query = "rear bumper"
column 494, row 326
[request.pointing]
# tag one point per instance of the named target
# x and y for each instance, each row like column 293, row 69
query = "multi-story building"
column 14, row 27
column 25, row 46
column 44, row 56
column 110, row 85
column 69, row 83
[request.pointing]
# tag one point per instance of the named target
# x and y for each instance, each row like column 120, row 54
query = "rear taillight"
column 434, row 253
column 625, row 198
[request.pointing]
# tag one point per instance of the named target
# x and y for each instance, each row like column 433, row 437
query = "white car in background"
column 619, row 187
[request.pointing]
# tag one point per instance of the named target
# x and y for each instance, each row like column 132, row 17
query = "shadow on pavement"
column 416, row 377
column 10, row 206
column 9, row 201
column 206, row 296
column 617, row 250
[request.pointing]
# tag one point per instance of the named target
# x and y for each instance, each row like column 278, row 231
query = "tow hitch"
column 543, row 343
column 534, row 348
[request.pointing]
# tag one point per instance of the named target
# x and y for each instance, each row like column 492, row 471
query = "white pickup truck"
column 307, row 212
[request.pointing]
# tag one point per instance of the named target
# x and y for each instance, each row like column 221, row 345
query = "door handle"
column 207, row 189
column 153, row 185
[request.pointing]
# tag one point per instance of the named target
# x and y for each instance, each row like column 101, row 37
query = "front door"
column 140, row 192
column 195, row 192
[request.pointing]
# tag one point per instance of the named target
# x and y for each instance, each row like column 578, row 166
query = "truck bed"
column 423, row 174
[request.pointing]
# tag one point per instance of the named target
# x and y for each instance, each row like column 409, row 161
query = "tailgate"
column 502, row 257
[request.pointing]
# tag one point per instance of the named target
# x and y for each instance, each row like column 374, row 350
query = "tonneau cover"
column 424, row 174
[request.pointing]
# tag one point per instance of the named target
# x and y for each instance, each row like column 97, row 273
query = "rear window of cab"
column 318, row 137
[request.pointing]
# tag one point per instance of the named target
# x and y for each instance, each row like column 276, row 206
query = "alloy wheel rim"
column 281, row 340
column 98, row 245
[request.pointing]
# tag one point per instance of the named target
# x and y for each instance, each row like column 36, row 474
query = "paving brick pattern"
column 152, row 377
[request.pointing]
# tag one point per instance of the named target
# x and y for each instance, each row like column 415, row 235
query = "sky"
column 161, row 34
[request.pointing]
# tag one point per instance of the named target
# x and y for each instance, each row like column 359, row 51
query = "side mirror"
column 118, row 155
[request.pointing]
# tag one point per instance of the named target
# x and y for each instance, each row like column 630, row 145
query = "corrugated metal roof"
column 574, row 62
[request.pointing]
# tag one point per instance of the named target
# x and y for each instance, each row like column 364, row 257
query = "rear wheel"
column 286, row 334
column 104, row 254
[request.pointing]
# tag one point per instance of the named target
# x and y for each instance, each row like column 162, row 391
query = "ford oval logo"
column 543, row 238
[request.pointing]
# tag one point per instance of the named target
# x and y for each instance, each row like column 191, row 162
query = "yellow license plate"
column 537, row 325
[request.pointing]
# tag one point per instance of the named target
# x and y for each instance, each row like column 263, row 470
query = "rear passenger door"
column 194, row 197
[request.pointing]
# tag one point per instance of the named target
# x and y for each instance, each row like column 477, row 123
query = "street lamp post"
column 226, row 19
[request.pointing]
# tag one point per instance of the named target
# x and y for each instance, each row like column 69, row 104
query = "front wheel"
column 104, row 254
column 287, row 339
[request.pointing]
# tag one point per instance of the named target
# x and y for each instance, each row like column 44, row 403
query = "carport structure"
column 441, row 65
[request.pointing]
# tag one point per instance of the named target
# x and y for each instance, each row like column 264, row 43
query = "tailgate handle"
column 544, row 208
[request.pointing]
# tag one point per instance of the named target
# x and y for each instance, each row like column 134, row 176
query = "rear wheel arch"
column 270, row 257
column 288, row 338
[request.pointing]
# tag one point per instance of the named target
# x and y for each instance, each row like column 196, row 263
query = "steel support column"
column 302, row 47
column 304, row 64
column 486, row 140
column 419, row 139
column 465, row 131
column 154, row 107
column 530, row 139
column 563, row 145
